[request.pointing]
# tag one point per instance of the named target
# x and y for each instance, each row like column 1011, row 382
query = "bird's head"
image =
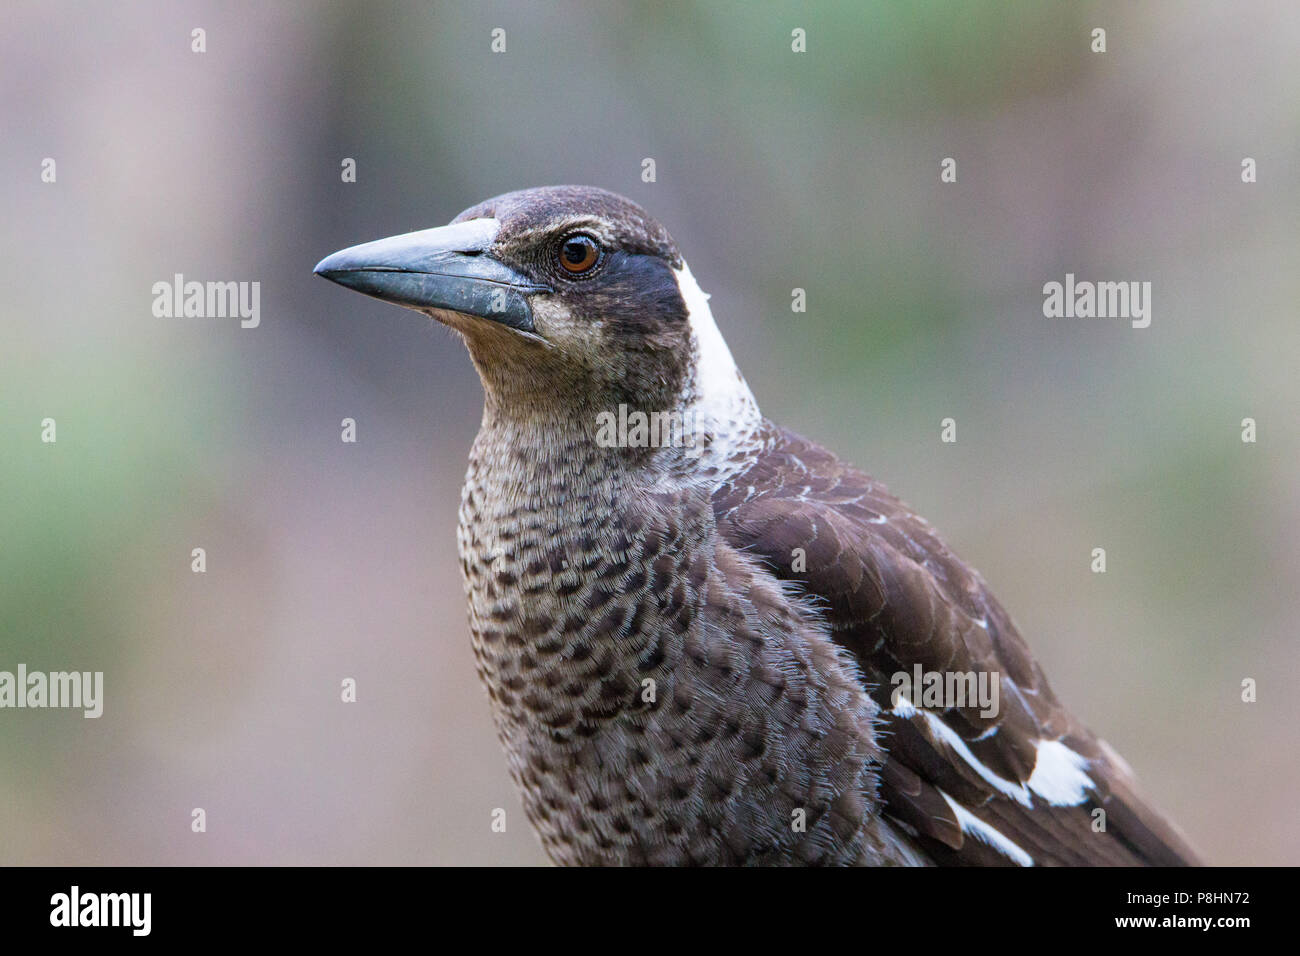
column 570, row 298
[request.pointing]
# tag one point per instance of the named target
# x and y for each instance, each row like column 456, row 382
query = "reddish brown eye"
column 579, row 254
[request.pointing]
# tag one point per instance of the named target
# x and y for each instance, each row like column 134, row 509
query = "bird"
column 691, row 636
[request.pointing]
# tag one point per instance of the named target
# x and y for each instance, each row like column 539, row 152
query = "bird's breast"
column 659, row 696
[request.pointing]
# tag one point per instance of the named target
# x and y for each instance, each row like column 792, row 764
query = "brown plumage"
column 894, row 595
column 691, row 647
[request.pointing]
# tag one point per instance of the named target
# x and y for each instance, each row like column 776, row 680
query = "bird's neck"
column 717, row 400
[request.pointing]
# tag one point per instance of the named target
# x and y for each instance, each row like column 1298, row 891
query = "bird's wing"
column 1021, row 785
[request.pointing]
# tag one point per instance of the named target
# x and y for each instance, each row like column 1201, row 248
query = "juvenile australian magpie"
column 691, row 647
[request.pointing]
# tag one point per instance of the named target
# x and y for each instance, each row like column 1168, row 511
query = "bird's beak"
column 445, row 268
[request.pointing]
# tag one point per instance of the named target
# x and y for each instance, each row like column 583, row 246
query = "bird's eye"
column 579, row 254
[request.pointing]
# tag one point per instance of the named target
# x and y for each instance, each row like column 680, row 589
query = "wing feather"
column 971, row 788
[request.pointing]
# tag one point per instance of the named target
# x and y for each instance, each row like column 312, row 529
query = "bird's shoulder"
column 1015, row 780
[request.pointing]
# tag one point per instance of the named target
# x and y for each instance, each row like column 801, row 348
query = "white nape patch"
column 986, row 834
column 722, row 403
column 1059, row 776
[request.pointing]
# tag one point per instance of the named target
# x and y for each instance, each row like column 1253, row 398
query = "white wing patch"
column 986, row 834
column 1059, row 776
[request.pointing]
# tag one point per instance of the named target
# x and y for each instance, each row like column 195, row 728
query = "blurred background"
column 775, row 170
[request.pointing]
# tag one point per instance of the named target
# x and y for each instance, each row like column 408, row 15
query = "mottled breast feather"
column 585, row 584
